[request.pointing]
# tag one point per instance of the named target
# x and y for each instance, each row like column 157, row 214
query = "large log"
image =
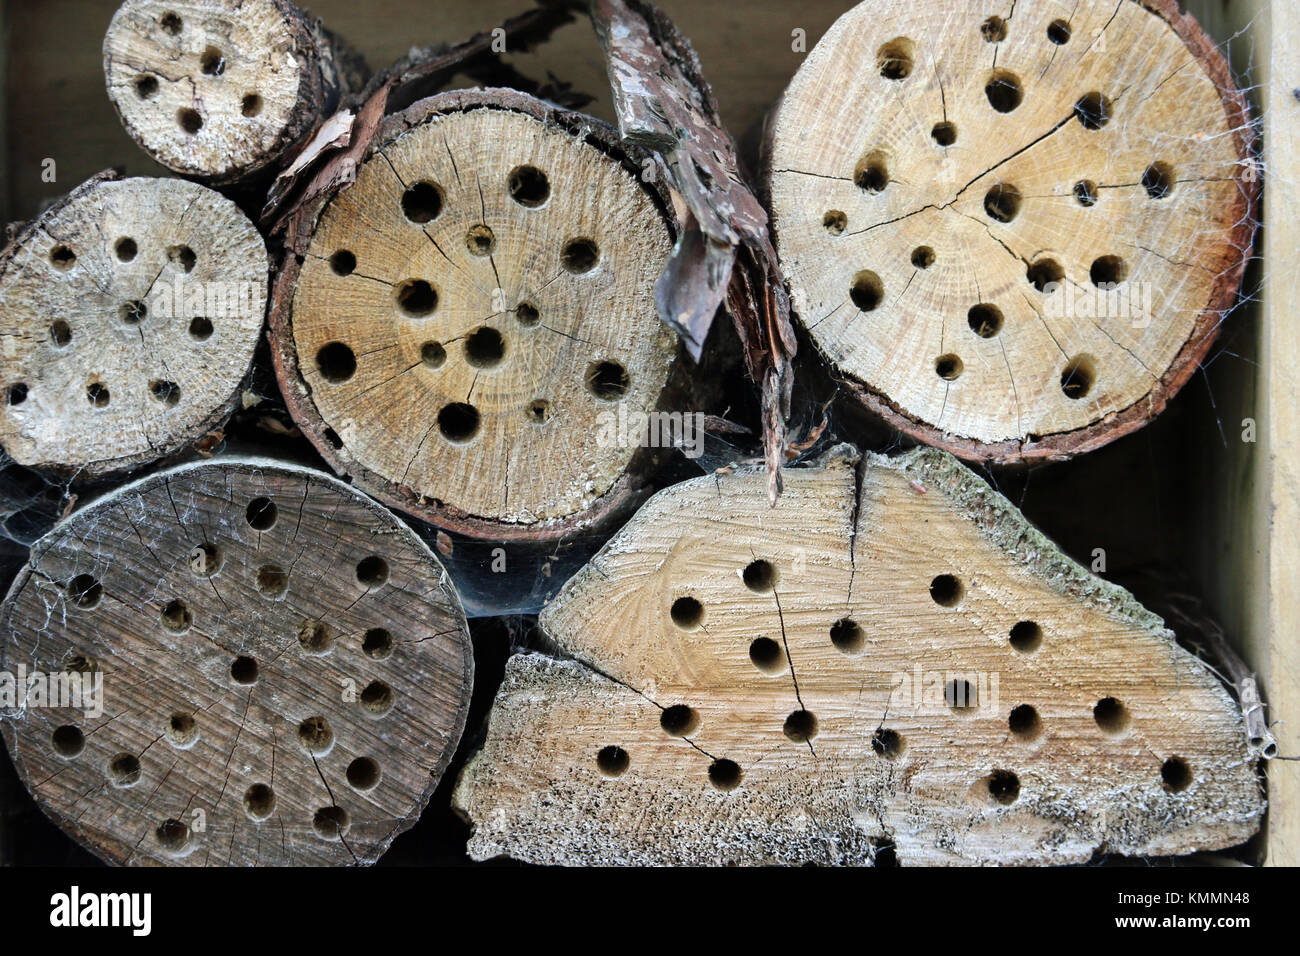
column 285, row 670
column 132, row 308
column 224, row 90
column 1013, row 236
column 470, row 316
column 892, row 657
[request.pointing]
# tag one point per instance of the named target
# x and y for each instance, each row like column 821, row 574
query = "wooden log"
column 472, row 313
column 1014, row 237
column 132, row 311
column 285, row 670
column 224, row 90
column 890, row 658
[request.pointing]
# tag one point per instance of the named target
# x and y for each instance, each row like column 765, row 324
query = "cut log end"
column 819, row 680
column 285, row 670
column 1013, row 238
column 474, row 314
column 218, row 90
column 132, row 310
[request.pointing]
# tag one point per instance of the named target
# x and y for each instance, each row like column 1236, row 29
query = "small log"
column 286, row 671
column 890, row 657
column 471, row 316
column 132, row 311
column 1013, row 237
column 224, row 90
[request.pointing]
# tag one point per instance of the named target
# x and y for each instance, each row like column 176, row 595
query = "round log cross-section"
column 1013, row 236
column 131, row 312
column 475, row 316
column 273, row 670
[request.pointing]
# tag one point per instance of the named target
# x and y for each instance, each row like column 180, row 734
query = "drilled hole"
column 835, row 222
column 947, row 590
column 377, row 697
column 607, row 380
column 189, row 119
column 98, row 395
column 1093, row 111
column 200, row 329
column 528, row 186
column 1158, row 180
column 1002, row 202
column 1026, row 636
column 16, row 394
column 872, row 173
column 1085, row 193
column 336, row 363
column 527, row 315
column 1078, row 377
column 1058, row 31
column 767, row 656
column 173, row 836
column 60, row 333
column 433, row 355
column 212, row 63
column 68, row 741
column 330, row 823
column 422, row 202
column 887, row 743
column 1004, row 787
column 480, row 241
column 458, row 422
column 315, row 735
column 343, row 262
column 687, row 613
column 182, row 731
column 124, row 770
column 259, row 802
column 1004, row 91
column 62, row 258
column 146, row 86
column 1176, row 775
column 250, row 105
column 1024, row 722
column 1111, row 716
column 167, row 393
column 800, row 726
column 994, row 30
column 538, row 411
column 679, row 720
column 1045, row 275
column 945, row 133
column 894, row 60
column 372, row 571
column 243, row 670
column 176, row 616
column 485, row 348
column 205, row 559
column 960, row 694
column 332, row 437
column 416, row 298
column 612, row 761
column 84, row 591
column 725, row 774
column 948, row 367
column 867, row 291
column 759, row 576
column 377, row 643
column 133, row 313
column 363, row 773
column 171, row 24
column 579, row 256
column 182, row 257
column 922, row 257
column 315, row 638
column 985, row 320
column 261, row 514
column 847, row 636
column 125, row 249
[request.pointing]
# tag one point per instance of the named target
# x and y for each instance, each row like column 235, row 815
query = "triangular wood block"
column 892, row 656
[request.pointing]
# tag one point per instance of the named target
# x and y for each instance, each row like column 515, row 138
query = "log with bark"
column 224, row 90
column 890, row 663
column 462, row 329
column 1013, row 236
column 285, row 670
column 132, row 311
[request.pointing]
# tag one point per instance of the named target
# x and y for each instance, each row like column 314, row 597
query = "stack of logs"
column 468, row 295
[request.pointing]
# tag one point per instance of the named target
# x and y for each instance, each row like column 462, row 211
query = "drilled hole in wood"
column 146, row 86
column 60, row 333
column 947, row 590
column 985, row 320
column 847, row 636
column 343, row 262
column 458, row 422
column 85, row 591
column 1024, row 723
column 62, row 258
column 612, row 761
column 416, row 298
column 528, row 186
column 766, row 655
column 835, row 222
column 316, row 736
column 1085, row 193
column 98, row 395
column 945, row 133
column 922, row 257
column 315, row 638
column 1176, row 775
column 176, row 616
column 1111, row 715
column 607, row 380
column 895, row 60
column 377, row 643
column 527, row 315
column 1003, row 91
column 377, row 697
column 759, row 576
column 189, row 120
column 579, row 256
column 68, row 741
column 1158, row 180
column 725, row 774
column 679, row 720
column 133, row 313
column 16, row 394
column 422, row 202
column 866, row 291
column 887, row 743
column 872, row 172
column 124, row 770
column 538, row 411
column 480, row 240
column 1078, row 377
column 1045, row 275
column 182, row 257
column 485, row 348
column 330, row 823
column 173, row 837
column 994, row 29
column 372, row 571
column 171, row 24
column 261, row 513
column 800, row 726
column 336, row 362
column 205, row 559
column 960, row 695
column 1058, row 31
column 1004, row 787
column 1002, row 202
column 687, row 613
column 250, row 105
column 1108, row 271
column 1093, row 111
column 182, row 731
column 1026, row 636
column 259, row 802
column 433, row 355
column 243, row 670
column 200, row 329
column 363, row 774
column 125, row 249
column 165, row 393
column 949, row 367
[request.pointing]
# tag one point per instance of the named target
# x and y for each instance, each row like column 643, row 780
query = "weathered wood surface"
column 131, row 311
column 223, row 90
column 1014, row 236
column 286, row 670
column 794, row 691
column 472, row 313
